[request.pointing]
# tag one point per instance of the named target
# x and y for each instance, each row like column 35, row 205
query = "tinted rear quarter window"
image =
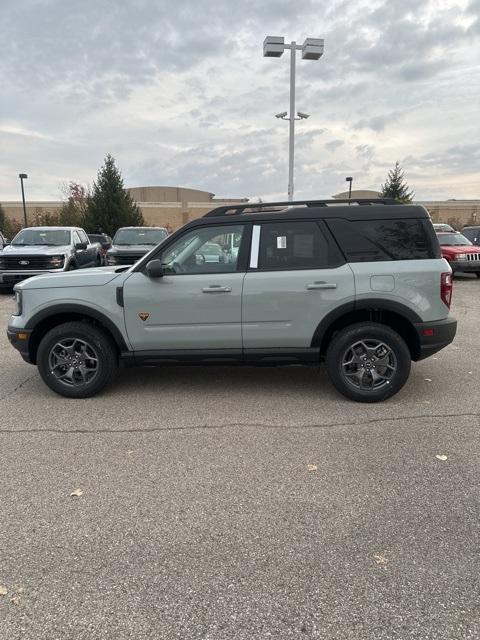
column 383, row 240
column 296, row 244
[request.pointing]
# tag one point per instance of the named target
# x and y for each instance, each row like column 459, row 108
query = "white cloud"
column 182, row 95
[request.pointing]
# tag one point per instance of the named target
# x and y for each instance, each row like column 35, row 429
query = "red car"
column 461, row 254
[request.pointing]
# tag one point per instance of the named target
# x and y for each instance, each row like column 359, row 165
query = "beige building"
column 458, row 213
column 174, row 206
column 160, row 206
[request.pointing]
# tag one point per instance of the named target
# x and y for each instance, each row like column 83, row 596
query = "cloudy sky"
column 180, row 94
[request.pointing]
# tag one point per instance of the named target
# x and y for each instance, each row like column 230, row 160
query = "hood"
column 131, row 248
column 43, row 250
column 82, row 278
column 461, row 248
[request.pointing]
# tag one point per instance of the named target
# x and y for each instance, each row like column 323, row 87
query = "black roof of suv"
column 354, row 209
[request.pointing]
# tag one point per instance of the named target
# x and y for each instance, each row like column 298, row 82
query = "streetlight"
column 312, row 49
column 23, row 176
column 350, row 180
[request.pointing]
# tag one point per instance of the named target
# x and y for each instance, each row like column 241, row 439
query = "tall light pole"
column 312, row 49
column 350, row 180
column 23, row 176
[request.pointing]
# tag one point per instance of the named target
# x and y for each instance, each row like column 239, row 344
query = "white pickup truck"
column 37, row 250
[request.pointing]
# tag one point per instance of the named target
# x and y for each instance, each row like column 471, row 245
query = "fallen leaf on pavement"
column 77, row 493
column 442, row 457
column 312, row 467
column 3, row 591
column 380, row 559
column 15, row 600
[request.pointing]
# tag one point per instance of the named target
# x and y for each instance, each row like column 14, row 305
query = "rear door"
column 90, row 254
column 296, row 277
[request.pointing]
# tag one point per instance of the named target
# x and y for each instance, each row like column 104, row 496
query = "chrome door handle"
column 216, row 289
column 321, row 285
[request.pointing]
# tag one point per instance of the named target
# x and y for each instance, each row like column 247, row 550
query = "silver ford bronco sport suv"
column 359, row 284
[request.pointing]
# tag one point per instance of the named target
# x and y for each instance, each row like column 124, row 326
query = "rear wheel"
column 76, row 359
column 368, row 362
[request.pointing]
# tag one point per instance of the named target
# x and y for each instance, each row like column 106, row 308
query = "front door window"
column 204, row 250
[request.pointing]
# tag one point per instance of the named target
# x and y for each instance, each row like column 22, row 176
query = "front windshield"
column 42, row 238
column 139, row 236
column 453, row 239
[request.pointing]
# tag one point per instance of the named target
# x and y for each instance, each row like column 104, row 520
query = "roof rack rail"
column 236, row 209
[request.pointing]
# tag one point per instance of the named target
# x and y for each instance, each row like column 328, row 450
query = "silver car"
column 360, row 285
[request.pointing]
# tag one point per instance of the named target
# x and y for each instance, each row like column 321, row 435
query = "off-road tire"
column 340, row 351
column 100, row 347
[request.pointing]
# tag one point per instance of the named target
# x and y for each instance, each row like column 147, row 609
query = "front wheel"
column 368, row 362
column 76, row 359
column 477, row 273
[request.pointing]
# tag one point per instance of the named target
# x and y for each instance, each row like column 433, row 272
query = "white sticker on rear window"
column 281, row 242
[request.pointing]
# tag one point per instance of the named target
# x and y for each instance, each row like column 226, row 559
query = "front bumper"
column 467, row 266
column 434, row 336
column 10, row 278
column 20, row 339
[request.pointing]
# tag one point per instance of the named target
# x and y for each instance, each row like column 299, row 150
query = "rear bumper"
column 21, row 344
column 468, row 266
column 434, row 336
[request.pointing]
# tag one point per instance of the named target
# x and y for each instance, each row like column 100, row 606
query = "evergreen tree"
column 109, row 206
column 396, row 186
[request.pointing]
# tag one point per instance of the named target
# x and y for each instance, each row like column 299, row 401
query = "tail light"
column 446, row 286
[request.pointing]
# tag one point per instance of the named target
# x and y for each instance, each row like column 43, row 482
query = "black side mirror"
column 80, row 245
column 154, row 269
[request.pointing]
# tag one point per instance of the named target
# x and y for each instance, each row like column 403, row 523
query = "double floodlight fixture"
column 274, row 46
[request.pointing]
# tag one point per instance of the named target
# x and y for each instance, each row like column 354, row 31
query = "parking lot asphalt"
column 244, row 503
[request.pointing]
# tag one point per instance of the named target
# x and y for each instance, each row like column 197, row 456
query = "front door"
column 197, row 303
column 297, row 276
column 80, row 254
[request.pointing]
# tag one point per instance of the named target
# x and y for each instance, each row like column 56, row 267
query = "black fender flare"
column 82, row 310
column 376, row 304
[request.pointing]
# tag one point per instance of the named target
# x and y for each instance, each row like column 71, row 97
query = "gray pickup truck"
column 37, row 250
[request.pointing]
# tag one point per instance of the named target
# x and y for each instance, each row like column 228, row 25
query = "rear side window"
column 296, row 244
column 383, row 240
column 472, row 234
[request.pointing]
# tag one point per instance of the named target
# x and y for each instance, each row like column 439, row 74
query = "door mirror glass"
column 80, row 245
column 154, row 269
